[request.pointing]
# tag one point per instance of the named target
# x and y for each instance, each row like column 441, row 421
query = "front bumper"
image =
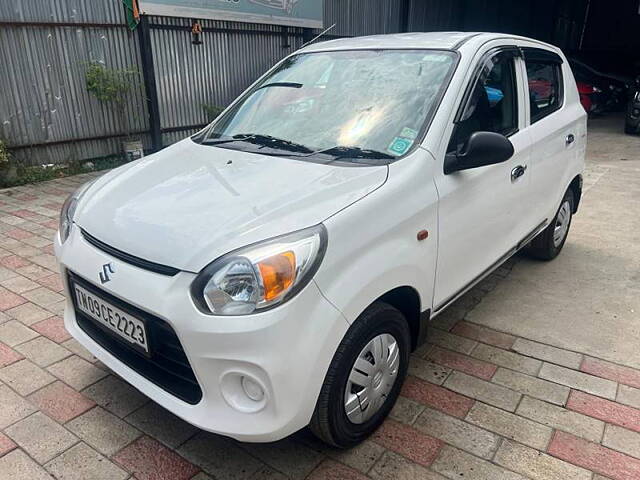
column 287, row 350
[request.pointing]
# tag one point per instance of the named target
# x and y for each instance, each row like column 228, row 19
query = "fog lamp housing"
column 252, row 389
column 243, row 391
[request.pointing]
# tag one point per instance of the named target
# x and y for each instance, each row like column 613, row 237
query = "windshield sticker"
column 400, row 146
column 409, row 133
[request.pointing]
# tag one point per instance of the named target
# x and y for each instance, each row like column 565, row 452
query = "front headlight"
column 69, row 210
column 260, row 276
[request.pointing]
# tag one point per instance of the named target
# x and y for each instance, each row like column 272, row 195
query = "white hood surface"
column 189, row 204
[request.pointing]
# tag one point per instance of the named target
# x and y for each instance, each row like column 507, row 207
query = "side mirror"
column 482, row 148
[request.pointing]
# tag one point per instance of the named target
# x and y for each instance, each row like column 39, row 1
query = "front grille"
column 128, row 258
column 167, row 365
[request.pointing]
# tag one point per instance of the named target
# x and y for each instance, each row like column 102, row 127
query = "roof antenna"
column 316, row 38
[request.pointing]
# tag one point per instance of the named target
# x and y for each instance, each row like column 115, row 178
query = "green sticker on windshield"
column 409, row 133
column 400, row 146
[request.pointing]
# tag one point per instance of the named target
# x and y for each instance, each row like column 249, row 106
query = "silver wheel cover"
column 372, row 377
column 562, row 224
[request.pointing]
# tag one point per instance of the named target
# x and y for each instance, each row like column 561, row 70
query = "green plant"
column 4, row 155
column 112, row 87
column 7, row 164
column 38, row 173
column 212, row 111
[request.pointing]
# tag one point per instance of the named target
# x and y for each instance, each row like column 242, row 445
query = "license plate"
column 119, row 322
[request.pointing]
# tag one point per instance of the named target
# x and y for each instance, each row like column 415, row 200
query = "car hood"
column 188, row 204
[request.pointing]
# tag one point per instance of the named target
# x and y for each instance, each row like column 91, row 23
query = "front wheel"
column 364, row 378
column 549, row 242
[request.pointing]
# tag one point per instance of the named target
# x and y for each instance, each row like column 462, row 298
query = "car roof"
column 417, row 40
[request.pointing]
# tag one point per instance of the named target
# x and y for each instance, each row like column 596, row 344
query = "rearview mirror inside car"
column 482, row 148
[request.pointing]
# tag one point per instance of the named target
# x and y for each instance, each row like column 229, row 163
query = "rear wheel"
column 548, row 244
column 364, row 378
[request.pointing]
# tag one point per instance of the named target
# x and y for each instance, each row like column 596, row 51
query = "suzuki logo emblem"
column 107, row 268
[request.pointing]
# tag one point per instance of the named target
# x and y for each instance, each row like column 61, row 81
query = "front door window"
column 492, row 105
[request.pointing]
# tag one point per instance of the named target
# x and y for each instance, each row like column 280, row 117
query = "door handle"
column 517, row 172
column 570, row 139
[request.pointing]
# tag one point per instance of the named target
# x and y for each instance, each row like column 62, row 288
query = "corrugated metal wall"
column 435, row 15
column 555, row 21
column 75, row 11
column 44, row 52
column 363, row 17
column 45, row 45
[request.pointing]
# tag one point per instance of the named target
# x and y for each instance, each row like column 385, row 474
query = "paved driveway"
column 533, row 374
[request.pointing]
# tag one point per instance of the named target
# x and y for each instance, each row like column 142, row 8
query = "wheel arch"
column 407, row 300
column 576, row 188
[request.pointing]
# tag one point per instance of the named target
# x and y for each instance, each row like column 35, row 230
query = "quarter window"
column 491, row 104
column 545, row 88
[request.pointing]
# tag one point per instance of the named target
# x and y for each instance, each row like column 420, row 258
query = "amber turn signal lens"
column 278, row 274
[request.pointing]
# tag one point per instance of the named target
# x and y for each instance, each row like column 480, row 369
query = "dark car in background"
column 611, row 90
column 589, row 97
column 540, row 89
column 632, row 120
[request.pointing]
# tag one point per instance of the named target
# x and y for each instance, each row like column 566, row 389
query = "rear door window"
column 545, row 86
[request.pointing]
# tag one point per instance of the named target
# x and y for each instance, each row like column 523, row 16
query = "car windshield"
column 356, row 105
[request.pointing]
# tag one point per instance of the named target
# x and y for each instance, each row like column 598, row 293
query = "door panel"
column 478, row 219
column 480, row 213
column 550, row 157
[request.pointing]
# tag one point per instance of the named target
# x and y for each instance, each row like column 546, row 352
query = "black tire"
column 630, row 129
column 330, row 422
column 543, row 246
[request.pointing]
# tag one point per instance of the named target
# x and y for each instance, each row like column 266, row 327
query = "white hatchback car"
column 277, row 269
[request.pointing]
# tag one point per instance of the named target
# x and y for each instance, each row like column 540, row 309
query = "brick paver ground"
column 478, row 404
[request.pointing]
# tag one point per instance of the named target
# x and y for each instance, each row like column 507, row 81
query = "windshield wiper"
column 240, row 137
column 267, row 141
column 261, row 140
column 275, row 143
column 354, row 152
column 218, row 141
column 280, row 84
